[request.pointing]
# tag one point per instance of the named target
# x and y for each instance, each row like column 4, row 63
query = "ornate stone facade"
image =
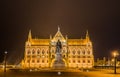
column 40, row 53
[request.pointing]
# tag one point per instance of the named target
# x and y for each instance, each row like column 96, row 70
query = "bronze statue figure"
column 58, row 46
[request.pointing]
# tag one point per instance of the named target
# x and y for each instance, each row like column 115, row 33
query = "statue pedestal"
column 58, row 63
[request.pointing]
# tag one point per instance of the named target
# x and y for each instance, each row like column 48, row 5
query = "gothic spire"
column 87, row 35
column 58, row 28
column 29, row 35
column 50, row 36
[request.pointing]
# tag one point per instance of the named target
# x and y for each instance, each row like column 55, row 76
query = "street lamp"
column 5, row 60
column 115, row 54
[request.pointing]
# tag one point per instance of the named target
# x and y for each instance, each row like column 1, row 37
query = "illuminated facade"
column 40, row 53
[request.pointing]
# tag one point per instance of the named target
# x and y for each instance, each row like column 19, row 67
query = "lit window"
column 33, row 61
column 33, row 56
column 28, row 61
column 33, row 52
column 83, row 52
column 73, row 61
column 38, row 61
column 43, row 52
column 63, row 56
column 53, row 56
column 28, row 52
column 47, row 52
column 52, row 51
column 88, row 52
column 83, row 61
column 74, row 52
column 88, row 61
column 73, row 56
column 78, row 52
column 38, row 52
column 78, row 56
column 42, row 61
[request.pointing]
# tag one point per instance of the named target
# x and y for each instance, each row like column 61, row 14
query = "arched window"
column 42, row 61
column 33, row 51
column 47, row 51
column 38, row 51
column 83, row 61
column 63, row 51
column 88, row 52
column 68, row 51
column 73, row 51
column 52, row 50
column 47, row 61
column 83, row 52
column 28, row 52
column 73, row 61
column 43, row 51
column 53, row 56
column 88, row 61
column 33, row 61
column 38, row 61
column 28, row 61
column 78, row 61
column 78, row 52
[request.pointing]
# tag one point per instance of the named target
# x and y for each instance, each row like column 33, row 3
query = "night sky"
column 100, row 17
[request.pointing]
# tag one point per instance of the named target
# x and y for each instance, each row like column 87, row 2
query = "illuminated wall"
column 40, row 53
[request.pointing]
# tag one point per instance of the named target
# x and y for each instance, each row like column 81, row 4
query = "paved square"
column 61, row 73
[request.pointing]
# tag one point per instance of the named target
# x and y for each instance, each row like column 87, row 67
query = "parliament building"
column 41, row 53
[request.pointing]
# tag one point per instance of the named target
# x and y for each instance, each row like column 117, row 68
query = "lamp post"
column 115, row 54
column 5, row 60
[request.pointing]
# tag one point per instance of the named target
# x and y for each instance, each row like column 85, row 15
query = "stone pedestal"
column 58, row 63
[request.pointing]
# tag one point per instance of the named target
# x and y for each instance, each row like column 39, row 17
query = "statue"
column 58, row 63
column 58, row 46
column 58, row 51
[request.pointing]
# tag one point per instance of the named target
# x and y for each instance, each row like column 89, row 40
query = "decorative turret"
column 87, row 36
column 58, row 28
column 50, row 37
column 29, row 35
column 66, row 37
